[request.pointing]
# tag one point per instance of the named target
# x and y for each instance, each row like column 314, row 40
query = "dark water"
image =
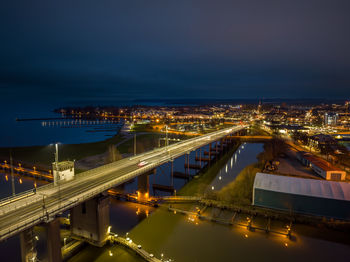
column 28, row 133
column 44, row 132
column 178, row 238
column 162, row 232
column 124, row 216
column 244, row 156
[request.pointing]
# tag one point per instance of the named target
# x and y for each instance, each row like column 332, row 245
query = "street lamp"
column 55, row 174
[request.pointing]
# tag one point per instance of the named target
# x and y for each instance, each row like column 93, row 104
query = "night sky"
column 109, row 49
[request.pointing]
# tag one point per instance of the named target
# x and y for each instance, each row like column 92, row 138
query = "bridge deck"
column 20, row 213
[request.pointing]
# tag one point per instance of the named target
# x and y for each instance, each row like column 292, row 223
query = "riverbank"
column 237, row 196
column 197, row 186
column 181, row 239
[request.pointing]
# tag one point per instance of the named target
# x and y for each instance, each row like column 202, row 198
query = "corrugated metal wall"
column 324, row 207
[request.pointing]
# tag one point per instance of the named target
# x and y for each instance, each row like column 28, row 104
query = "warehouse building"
column 324, row 198
column 321, row 167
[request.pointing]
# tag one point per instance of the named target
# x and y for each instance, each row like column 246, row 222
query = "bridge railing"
column 6, row 200
column 101, row 186
column 197, row 140
column 10, row 199
column 41, row 216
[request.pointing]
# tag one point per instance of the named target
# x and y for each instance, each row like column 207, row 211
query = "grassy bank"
column 240, row 190
column 43, row 156
column 198, row 186
column 144, row 143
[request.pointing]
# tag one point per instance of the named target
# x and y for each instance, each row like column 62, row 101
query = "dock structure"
column 181, row 175
column 204, row 159
column 179, row 199
column 38, row 174
column 231, row 222
column 150, row 201
column 193, row 166
column 164, row 188
column 128, row 243
column 154, row 200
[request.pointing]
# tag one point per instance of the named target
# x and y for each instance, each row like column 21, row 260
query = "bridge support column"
column 172, row 172
column 209, row 155
column 90, row 220
column 143, row 185
column 28, row 251
column 54, row 241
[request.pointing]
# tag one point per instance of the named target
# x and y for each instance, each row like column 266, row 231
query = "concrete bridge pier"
column 143, row 185
column 209, row 163
column 90, row 220
column 222, row 146
column 54, row 253
column 28, row 251
column 28, row 243
column 187, row 164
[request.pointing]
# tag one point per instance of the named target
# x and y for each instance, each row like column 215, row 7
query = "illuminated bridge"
column 83, row 195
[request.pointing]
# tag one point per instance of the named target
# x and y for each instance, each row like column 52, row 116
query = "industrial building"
column 323, row 198
column 321, row 167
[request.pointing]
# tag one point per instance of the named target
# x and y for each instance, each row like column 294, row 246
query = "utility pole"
column 57, row 176
column 12, row 177
column 55, row 179
column 134, row 144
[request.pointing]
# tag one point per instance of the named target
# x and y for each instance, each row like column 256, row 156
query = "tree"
column 272, row 149
column 113, row 154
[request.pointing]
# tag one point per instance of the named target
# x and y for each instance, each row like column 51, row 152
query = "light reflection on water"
column 245, row 155
column 192, row 239
column 184, row 239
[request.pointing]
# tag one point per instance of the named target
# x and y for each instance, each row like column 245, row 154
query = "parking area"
column 290, row 165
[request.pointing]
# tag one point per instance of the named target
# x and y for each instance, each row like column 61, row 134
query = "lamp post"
column 55, row 179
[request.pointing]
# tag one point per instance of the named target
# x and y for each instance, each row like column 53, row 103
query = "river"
column 180, row 239
column 175, row 236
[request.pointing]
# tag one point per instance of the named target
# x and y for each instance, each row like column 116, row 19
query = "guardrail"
column 10, row 199
column 101, row 186
column 41, row 217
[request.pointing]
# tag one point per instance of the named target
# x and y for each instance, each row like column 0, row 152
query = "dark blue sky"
column 110, row 49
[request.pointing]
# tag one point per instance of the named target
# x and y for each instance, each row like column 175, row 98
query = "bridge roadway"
column 28, row 209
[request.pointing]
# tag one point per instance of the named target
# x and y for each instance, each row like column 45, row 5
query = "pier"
column 128, row 243
column 233, row 221
column 38, row 174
